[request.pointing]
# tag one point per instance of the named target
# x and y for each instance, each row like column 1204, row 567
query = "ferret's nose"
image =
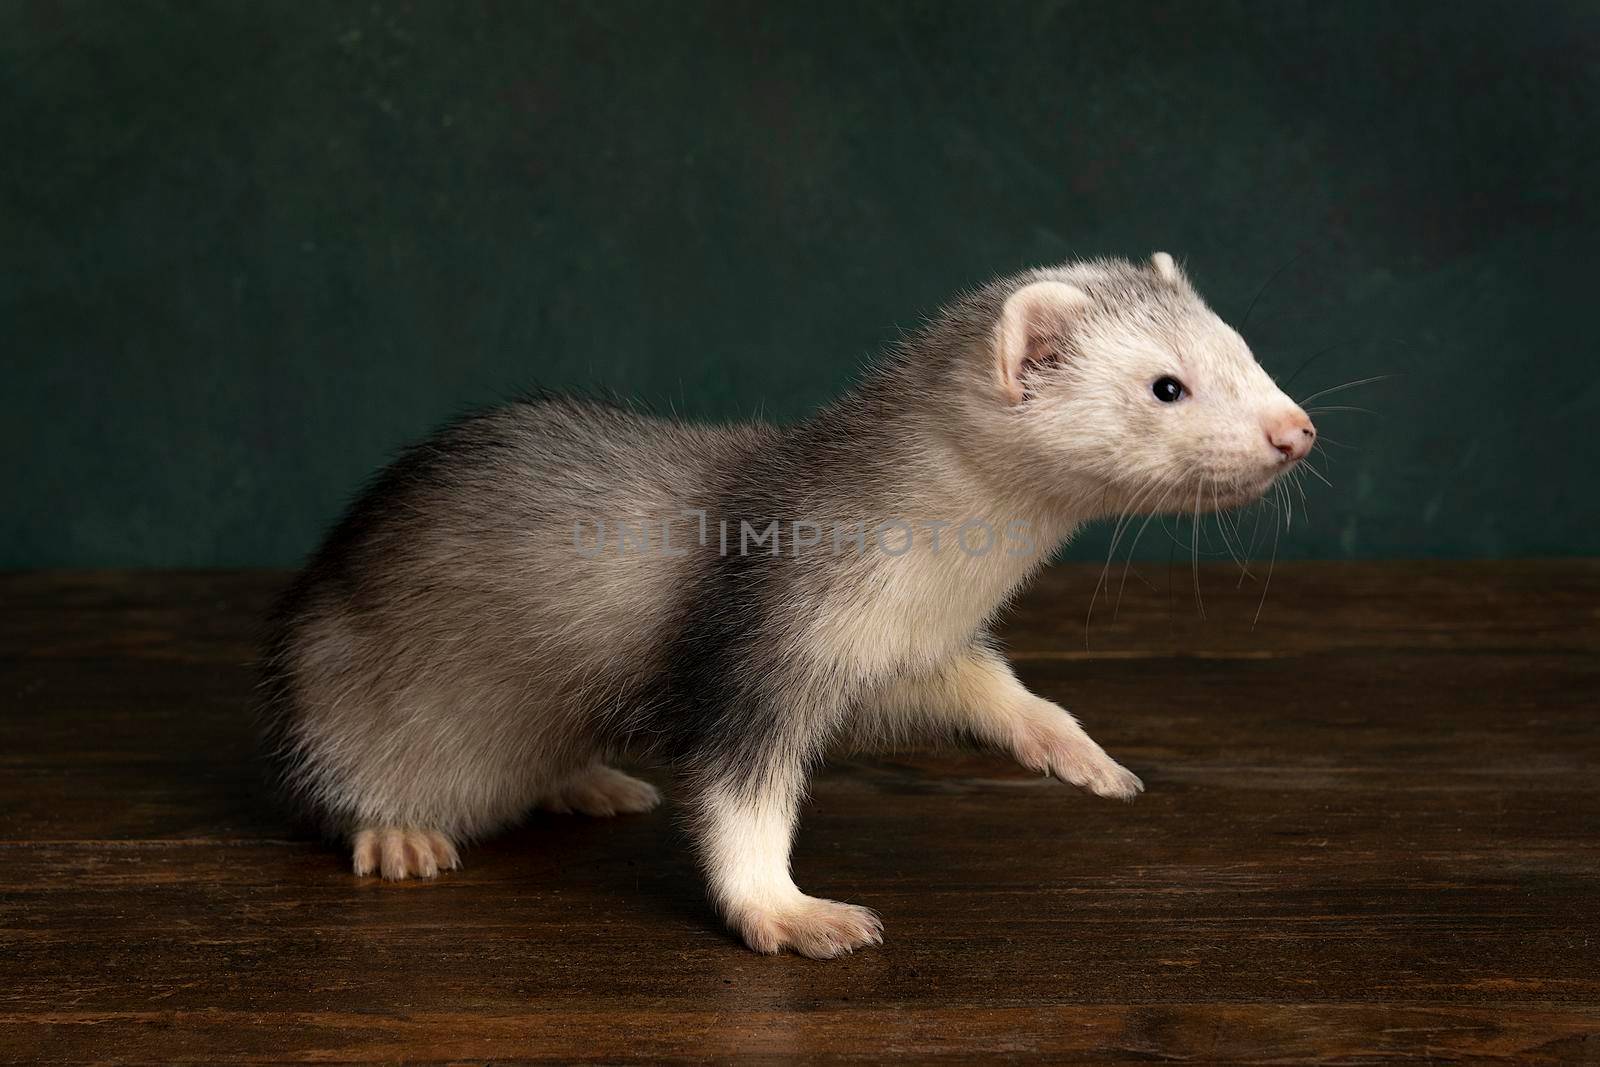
column 1291, row 433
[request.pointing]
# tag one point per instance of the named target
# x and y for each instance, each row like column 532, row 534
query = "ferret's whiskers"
column 1222, row 527
column 1318, row 354
column 1255, row 534
column 1303, row 401
column 1194, row 553
column 1123, row 584
column 1339, row 407
column 1271, row 564
column 1122, row 524
column 1234, row 517
column 1305, row 464
column 1298, row 256
column 1172, row 595
column 1298, row 483
column 1088, row 618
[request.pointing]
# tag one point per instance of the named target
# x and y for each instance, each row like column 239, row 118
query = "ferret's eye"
column 1167, row 389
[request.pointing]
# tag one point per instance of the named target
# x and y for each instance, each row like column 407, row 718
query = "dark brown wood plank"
column 729, row 1031
column 1370, row 834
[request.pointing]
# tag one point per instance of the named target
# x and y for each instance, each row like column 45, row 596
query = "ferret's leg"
column 744, row 826
column 977, row 693
column 600, row 790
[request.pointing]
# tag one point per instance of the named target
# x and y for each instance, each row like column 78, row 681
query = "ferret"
column 541, row 589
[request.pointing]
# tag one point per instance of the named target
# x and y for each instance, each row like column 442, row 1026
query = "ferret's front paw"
column 1097, row 773
column 1073, row 757
column 821, row 929
column 1112, row 780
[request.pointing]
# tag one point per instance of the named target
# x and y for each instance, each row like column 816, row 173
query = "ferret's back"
column 457, row 575
column 507, row 485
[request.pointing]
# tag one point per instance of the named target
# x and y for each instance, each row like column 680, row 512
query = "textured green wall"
column 248, row 249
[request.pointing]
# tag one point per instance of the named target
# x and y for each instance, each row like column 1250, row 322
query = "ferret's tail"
column 276, row 711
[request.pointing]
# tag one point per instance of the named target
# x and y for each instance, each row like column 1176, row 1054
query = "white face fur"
column 1123, row 382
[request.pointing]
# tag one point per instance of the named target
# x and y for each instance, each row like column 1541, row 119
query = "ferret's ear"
column 1165, row 267
column 1035, row 320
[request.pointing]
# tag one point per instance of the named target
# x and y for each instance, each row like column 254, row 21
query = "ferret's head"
column 1119, row 380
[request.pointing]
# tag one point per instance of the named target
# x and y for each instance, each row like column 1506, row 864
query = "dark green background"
column 249, row 249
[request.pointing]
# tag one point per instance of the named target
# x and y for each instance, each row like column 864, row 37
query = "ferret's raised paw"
column 602, row 791
column 1114, row 781
column 821, row 929
column 1067, row 753
column 397, row 854
column 1097, row 773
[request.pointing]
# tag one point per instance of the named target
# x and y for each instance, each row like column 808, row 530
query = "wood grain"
column 1370, row 834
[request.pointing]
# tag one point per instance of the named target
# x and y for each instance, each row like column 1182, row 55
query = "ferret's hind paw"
column 398, row 854
column 821, row 929
column 602, row 791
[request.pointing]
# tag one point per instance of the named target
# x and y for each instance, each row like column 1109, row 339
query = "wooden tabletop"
column 1370, row 833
